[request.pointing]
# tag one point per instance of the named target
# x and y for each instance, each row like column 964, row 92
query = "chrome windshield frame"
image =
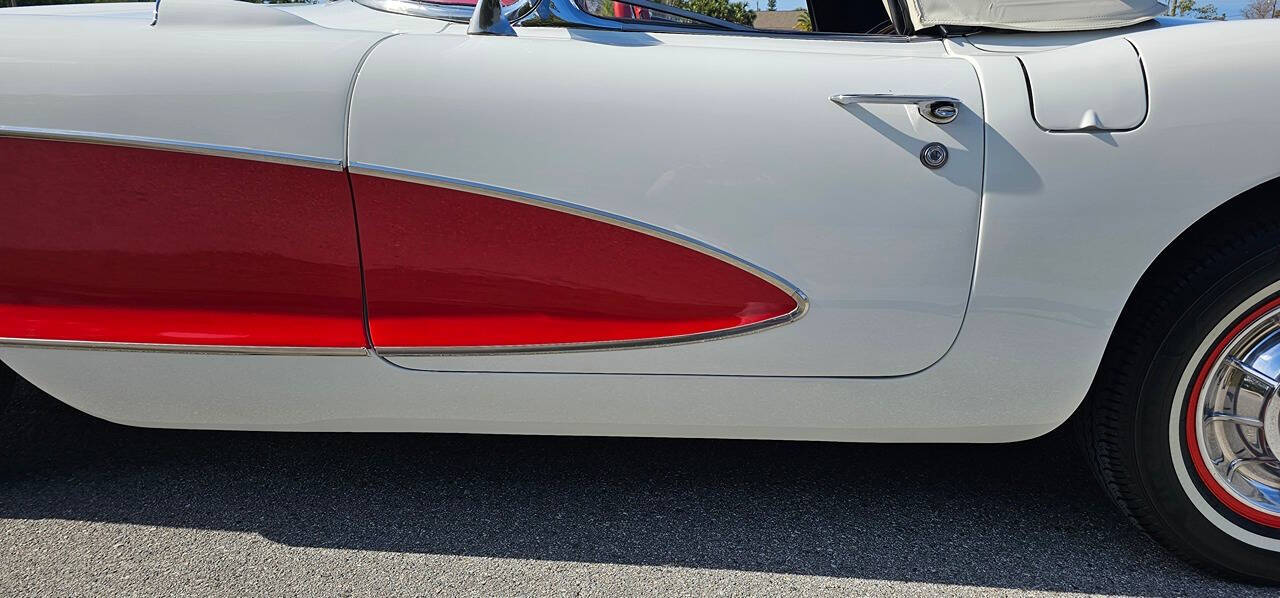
column 548, row 13
column 457, row 13
column 567, row 13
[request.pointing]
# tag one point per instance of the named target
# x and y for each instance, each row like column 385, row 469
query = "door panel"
column 728, row 141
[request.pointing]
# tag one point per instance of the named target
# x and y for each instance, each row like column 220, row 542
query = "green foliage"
column 725, row 10
column 1190, row 8
column 804, row 22
column 773, row 5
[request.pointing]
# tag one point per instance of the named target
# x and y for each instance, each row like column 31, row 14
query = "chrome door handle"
column 935, row 109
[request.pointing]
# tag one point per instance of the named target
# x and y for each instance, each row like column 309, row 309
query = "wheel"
column 1182, row 425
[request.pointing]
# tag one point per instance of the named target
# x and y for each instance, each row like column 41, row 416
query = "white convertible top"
column 1033, row 15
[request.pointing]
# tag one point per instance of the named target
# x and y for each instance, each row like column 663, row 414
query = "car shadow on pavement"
column 1024, row 516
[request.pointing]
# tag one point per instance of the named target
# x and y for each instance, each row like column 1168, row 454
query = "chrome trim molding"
column 644, row 343
column 40, row 343
column 157, row 143
column 802, row 301
column 457, row 13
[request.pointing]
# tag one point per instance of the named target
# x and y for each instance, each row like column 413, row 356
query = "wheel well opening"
column 1249, row 213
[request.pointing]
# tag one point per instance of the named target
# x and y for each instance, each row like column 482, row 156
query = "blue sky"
column 1231, row 7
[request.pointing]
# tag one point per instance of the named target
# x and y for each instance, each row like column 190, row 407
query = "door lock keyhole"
column 934, row 156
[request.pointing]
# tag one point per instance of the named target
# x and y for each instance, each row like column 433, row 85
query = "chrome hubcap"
column 1239, row 416
column 1271, row 426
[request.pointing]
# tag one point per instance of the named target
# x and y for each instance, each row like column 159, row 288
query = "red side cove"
column 448, row 268
column 117, row 244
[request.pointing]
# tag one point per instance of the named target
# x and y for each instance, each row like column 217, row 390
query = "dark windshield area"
column 850, row 16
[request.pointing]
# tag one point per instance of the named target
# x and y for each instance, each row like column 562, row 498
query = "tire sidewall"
column 1165, row 389
column 8, row 380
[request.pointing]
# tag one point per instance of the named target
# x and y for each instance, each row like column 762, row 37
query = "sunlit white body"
column 972, row 303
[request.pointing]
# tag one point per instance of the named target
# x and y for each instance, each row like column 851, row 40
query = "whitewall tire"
column 1183, row 423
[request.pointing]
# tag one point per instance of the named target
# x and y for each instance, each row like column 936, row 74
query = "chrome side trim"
column 40, row 343
column 457, row 13
column 188, row 147
column 645, row 343
column 802, row 301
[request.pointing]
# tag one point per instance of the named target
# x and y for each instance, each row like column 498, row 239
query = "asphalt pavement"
column 93, row 508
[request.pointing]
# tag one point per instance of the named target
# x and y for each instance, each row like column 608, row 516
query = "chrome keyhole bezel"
column 934, row 156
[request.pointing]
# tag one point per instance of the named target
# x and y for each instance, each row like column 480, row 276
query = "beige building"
column 777, row 19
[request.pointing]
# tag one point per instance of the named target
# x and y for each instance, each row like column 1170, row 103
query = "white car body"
column 967, row 304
